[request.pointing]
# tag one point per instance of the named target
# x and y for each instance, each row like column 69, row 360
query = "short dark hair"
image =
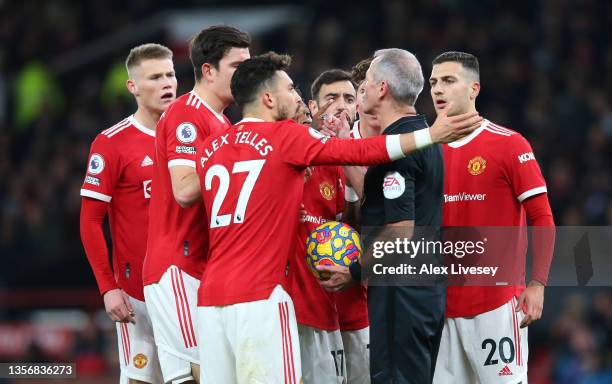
column 467, row 60
column 328, row 77
column 358, row 72
column 254, row 74
column 211, row 44
column 144, row 52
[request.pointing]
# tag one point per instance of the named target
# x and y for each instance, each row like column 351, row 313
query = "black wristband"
column 355, row 270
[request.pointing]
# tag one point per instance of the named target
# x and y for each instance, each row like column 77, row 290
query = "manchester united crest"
column 327, row 190
column 140, row 361
column 477, row 165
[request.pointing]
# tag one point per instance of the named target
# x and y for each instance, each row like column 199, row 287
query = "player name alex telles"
column 431, row 269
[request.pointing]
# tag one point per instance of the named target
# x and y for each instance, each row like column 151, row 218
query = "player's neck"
column 146, row 117
column 209, row 97
column 258, row 113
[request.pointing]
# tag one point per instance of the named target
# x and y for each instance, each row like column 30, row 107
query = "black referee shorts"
column 405, row 330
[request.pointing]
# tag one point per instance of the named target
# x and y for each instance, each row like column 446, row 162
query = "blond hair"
column 146, row 52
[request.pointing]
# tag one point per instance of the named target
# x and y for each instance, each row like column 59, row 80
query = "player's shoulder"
column 125, row 130
column 183, row 105
column 277, row 128
column 498, row 131
column 508, row 141
column 119, row 132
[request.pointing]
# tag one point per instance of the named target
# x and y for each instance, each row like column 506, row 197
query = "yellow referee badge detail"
column 477, row 165
column 140, row 361
column 327, row 190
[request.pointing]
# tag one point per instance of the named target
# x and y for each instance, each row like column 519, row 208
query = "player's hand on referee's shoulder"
column 447, row 129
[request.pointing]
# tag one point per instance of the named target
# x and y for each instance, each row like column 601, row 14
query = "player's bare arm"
column 185, row 185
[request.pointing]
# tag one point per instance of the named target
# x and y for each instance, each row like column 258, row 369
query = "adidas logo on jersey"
column 505, row 371
column 146, row 162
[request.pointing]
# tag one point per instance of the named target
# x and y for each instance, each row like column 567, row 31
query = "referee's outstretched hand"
column 447, row 129
column 339, row 280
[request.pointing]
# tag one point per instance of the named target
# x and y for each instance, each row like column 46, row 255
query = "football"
column 332, row 243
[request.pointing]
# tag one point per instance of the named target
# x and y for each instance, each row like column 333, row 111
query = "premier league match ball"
column 332, row 243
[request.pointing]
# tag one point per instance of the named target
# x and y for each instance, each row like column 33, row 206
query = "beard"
column 284, row 112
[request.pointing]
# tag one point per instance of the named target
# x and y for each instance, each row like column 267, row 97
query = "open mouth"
column 440, row 104
column 168, row 96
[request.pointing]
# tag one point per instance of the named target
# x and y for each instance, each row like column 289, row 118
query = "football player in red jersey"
column 252, row 182
column 118, row 182
column 485, row 336
column 321, row 348
column 177, row 244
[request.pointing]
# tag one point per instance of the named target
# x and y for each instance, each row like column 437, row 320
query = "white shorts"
column 357, row 351
column 172, row 304
column 488, row 348
column 323, row 357
column 248, row 343
column 137, row 353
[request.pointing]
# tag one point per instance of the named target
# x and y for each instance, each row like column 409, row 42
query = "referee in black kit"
column 405, row 321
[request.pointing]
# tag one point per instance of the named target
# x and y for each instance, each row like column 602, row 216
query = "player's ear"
column 207, row 71
column 475, row 90
column 313, row 107
column 268, row 100
column 132, row 87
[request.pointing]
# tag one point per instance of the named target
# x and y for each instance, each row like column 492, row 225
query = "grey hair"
column 402, row 72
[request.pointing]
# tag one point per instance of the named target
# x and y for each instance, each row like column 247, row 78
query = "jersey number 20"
column 253, row 167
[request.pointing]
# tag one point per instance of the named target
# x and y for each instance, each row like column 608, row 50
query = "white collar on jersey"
column 355, row 130
column 141, row 127
column 217, row 115
column 250, row 120
column 470, row 137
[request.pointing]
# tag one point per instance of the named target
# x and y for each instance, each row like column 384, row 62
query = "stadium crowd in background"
column 547, row 71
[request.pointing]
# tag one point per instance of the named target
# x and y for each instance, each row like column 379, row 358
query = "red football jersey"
column 352, row 304
column 323, row 201
column 119, row 172
column 488, row 175
column 178, row 236
column 252, row 185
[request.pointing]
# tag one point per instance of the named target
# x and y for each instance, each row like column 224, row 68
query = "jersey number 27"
column 253, row 167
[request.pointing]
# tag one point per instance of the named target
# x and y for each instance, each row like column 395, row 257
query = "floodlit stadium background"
column 546, row 71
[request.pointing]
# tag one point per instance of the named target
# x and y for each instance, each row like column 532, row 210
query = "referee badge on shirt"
column 477, row 165
column 327, row 190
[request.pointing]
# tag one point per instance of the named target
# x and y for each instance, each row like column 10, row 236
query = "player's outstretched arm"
column 445, row 129
column 185, row 185
column 384, row 149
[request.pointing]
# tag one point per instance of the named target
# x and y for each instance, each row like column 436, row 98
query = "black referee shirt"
column 407, row 189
